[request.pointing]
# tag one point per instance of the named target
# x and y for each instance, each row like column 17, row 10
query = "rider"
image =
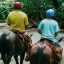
column 17, row 20
column 49, row 28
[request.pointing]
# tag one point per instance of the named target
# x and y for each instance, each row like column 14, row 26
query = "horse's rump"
column 40, row 53
column 11, row 45
column 47, row 49
column 42, row 44
column 56, row 50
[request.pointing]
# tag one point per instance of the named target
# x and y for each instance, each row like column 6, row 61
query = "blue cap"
column 50, row 13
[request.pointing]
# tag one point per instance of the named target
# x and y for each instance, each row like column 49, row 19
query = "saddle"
column 20, row 35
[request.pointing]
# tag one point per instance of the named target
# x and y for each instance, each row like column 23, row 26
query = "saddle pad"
column 35, row 37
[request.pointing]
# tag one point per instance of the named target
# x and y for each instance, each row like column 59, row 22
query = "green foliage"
column 62, row 0
column 5, row 8
column 60, row 14
column 35, row 9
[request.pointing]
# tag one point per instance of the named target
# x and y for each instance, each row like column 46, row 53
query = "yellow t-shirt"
column 17, row 20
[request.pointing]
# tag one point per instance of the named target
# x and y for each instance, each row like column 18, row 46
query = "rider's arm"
column 26, row 26
column 8, row 20
column 56, row 33
column 26, row 22
column 40, row 29
column 57, row 29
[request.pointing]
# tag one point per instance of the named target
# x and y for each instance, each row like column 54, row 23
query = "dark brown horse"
column 43, row 53
column 11, row 45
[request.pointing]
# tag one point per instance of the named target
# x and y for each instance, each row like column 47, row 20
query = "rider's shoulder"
column 54, row 21
column 23, row 13
column 44, row 20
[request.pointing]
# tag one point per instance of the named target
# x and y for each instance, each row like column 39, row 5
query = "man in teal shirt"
column 49, row 27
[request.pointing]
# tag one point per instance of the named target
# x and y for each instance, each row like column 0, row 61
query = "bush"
column 35, row 10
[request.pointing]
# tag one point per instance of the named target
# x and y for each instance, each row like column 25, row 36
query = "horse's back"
column 9, row 34
column 11, row 45
column 42, row 52
column 7, row 40
column 42, row 45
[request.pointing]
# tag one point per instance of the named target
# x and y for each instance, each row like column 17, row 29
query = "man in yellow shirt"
column 17, row 20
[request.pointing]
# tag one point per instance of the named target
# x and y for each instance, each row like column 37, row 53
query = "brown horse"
column 43, row 53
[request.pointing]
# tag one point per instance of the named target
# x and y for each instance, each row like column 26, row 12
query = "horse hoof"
column 27, row 58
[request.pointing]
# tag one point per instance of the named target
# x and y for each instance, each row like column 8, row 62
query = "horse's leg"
column 16, row 59
column 22, row 54
column 33, row 59
column 28, row 52
column 8, row 58
column 22, row 57
column 3, row 57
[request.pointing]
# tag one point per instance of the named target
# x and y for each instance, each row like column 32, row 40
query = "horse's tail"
column 2, row 38
column 39, row 55
column 2, row 41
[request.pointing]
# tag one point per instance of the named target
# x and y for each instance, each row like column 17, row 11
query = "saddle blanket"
column 35, row 38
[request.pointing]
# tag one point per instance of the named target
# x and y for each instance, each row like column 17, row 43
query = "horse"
column 43, row 52
column 11, row 45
